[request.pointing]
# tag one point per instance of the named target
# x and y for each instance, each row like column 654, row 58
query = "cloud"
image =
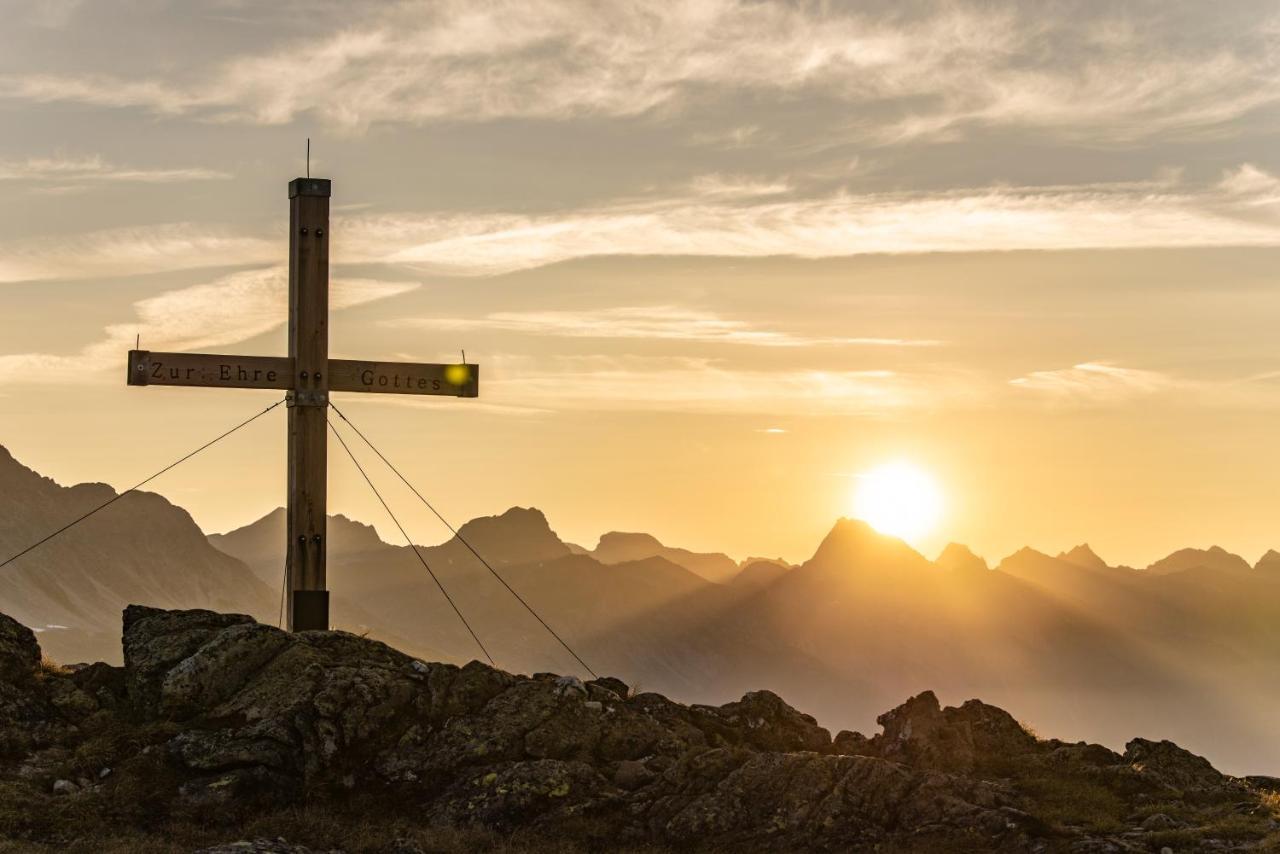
column 132, row 251
column 700, row 385
column 1122, row 215
column 233, row 308
column 521, row 385
column 1096, row 382
column 226, row 311
column 1264, row 377
column 665, row 322
column 1254, row 191
column 53, row 14
column 1241, row 209
column 1114, row 74
column 443, row 406
column 79, row 170
column 718, row 186
column 1105, row 384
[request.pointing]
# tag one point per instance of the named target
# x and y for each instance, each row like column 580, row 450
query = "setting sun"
column 899, row 499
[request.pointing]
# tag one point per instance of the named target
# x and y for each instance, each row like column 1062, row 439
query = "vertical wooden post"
column 308, row 402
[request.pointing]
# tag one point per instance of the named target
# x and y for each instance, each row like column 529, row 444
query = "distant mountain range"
column 143, row 549
column 1186, row 648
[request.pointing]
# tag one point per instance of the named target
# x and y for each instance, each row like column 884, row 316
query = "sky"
column 716, row 259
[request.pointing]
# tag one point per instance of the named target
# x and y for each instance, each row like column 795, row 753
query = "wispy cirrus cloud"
column 676, row 384
column 659, row 322
column 1096, row 382
column 95, row 170
column 1236, row 211
column 53, row 14
column 226, row 311
column 233, row 308
column 132, row 251
column 718, row 186
column 1113, row 74
column 1241, row 209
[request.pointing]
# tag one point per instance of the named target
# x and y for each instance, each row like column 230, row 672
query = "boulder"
column 219, row 668
column 570, row 686
column 802, row 801
column 1264, row 783
column 632, row 774
column 155, row 641
column 106, row 684
column 522, row 793
column 768, row 723
column 240, row 788
column 72, row 703
column 848, row 743
column 923, row 734
column 1171, row 765
column 992, row 730
column 26, row 719
column 611, row 684
column 917, row 733
column 19, row 652
column 258, row 846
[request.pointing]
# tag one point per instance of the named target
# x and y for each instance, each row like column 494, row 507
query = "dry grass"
column 1059, row 796
column 1076, row 800
column 1236, row 828
column 33, row 823
column 322, row 831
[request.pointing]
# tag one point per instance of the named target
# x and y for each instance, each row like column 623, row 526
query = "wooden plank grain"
column 209, row 370
column 306, row 568
column 459, row 380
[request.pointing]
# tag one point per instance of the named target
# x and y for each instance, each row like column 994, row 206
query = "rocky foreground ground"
column 223, row 734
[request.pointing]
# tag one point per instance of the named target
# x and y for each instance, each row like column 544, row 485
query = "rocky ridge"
column 216, row 721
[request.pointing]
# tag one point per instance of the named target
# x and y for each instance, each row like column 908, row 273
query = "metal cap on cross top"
column 310, row 187
column 307, row 375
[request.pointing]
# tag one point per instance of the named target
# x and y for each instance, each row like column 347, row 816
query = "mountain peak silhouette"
column 1083, row 555
column 956, row 557
column 14, row 474
column 1213, row 558
column 519, row 535
column 854, row 543
column 1269, row 562
column 627, row 542
column 1023, row 555
column 621, row 546
column 264, row 535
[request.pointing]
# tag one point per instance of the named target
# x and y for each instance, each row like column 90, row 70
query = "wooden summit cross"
column 308, row 375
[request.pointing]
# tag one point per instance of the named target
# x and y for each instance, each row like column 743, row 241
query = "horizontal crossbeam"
column 202, row 369
column 460, row 380
column 274, row 372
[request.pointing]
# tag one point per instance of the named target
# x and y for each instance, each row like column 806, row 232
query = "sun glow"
column 899, row 499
